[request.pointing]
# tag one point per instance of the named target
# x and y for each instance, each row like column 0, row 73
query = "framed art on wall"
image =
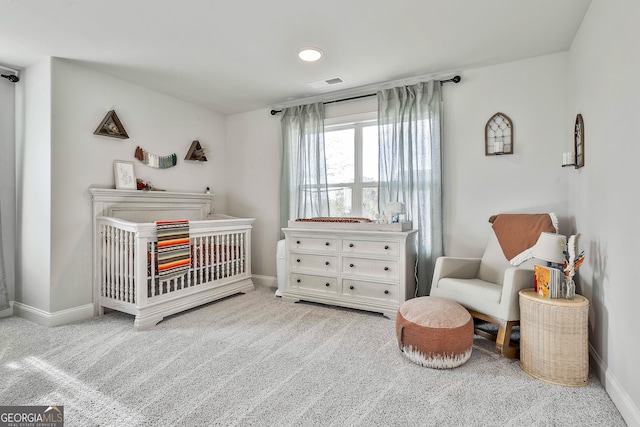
column 498, row 135
column 578, row 142
column 124, row 175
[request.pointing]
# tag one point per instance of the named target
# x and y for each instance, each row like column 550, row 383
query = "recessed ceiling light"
column 310, row 54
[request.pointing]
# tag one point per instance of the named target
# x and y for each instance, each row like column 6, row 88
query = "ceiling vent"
column 328, row 82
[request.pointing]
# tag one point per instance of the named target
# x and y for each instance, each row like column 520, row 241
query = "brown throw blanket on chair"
column 518, row 233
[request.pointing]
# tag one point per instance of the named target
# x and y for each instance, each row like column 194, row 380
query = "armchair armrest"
column 455, row 268
column 515, row 280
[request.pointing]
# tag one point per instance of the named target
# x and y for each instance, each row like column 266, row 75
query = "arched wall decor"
column 498, row 135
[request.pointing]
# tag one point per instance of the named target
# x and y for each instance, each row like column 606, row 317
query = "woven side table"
column 554, row 338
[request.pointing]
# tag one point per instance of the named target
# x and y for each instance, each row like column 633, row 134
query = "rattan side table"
column 554, row 338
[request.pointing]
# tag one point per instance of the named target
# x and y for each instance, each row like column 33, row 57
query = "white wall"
column 253, row 178
column 8, row 180
column 604, row 88
column 33, row 187
column 64, row 156
column 532, row 93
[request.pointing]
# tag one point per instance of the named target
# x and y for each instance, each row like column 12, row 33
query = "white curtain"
column 303, row 191
column 410, row 166
column 4, row 294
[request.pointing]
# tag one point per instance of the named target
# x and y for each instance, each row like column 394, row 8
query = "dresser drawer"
column 315, row 244
column 363, row 289
column 370, row 247
column 324, row 263
column 374, row 268
column 315, row 283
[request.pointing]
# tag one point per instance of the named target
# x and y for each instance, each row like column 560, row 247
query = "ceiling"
column 240, row 55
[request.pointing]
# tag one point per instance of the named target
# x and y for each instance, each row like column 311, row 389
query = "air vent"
column 328, row 82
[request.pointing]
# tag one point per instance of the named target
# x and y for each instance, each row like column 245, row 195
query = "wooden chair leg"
column 503, row 340
column 503, row 337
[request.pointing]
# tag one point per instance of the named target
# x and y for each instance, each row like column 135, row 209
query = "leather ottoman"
column 434, row 332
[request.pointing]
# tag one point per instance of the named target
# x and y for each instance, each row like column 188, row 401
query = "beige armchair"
column 488, row 287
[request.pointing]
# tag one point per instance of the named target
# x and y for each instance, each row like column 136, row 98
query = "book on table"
column 548, row 281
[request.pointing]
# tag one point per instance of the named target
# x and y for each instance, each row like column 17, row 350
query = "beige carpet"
column 256, row 360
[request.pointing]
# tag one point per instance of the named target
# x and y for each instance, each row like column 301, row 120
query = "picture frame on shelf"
column 124, row 175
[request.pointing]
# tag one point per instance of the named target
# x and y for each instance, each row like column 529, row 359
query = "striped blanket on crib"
column 174, row 253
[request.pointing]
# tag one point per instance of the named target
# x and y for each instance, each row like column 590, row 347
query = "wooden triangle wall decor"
column 111, row 126
column 196, row 152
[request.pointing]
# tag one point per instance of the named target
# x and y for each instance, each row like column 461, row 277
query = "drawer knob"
column 351, row 265
column 298, row 280
column 386, row 292
column 386, row 269
column 327, row 285
column 298, row 260
column 297, row 242
column 350, row 245
column 326, row 244
column 350, row 287
column 386, row 246
column 326, row 263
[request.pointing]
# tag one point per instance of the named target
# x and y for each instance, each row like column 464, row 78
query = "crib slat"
column 132, row 271
column 120, row 295
column 235, row 253
column 153, row 269
column 102, row 260
column 111, row 263
column 240, row 252
column 129, row 267
column 208, row 248
column 227, row 258
column 123, row 273
column 201, row 265
column 216, row 256
column 192, row 248
column 121, row 265
column 108, row 260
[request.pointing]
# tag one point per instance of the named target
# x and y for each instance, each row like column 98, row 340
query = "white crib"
column 125, row 254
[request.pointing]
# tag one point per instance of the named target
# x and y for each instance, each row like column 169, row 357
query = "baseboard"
column 617, row 393
column 265, row 281
column 58, row 318
column 7, row 312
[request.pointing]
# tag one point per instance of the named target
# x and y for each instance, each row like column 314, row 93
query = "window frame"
column 357, row 122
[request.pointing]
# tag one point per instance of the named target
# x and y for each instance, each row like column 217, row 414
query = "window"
column 351, row 149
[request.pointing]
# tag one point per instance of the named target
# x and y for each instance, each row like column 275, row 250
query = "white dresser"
column 367, row 270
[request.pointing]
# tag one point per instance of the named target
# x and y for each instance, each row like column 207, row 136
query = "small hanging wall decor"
column 196, row 152
column 498, row 135
column 578, row 142
column 111, row 126
column 154, row 161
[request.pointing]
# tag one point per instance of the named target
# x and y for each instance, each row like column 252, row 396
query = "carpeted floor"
column 254, row 360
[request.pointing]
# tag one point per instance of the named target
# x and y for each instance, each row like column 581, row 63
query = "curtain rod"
column 11, row 77
column 455, row 79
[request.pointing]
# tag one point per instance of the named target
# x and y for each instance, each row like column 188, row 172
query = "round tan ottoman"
column 434, row 332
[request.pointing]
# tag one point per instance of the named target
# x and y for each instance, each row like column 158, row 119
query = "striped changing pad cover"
column 174, row 252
